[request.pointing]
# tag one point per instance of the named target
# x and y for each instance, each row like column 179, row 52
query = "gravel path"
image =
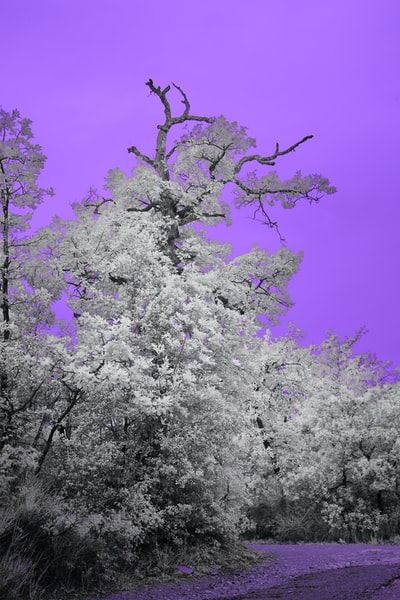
column 301, row 572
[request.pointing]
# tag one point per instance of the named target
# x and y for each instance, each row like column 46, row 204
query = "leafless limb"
column 269, row 160
column 140, row 155
column 161, row 154
column 97, row 205
column 146, row 208
column 185, row 101
column 267, row 220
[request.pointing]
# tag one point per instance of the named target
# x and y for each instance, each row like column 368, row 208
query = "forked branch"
column 161, row 154
column 270, row 160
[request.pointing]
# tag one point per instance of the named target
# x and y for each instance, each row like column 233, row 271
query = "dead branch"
column 97, row 205
column 269, row 160
column 141, row 156
column 185, row 101
column 161, row 155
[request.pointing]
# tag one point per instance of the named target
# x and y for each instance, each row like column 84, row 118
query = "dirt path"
column 301, row 572
column 375, row 582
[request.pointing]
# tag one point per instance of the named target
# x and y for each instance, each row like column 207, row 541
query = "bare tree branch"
column 146, row 208
column 144, row 157
column 162, row 94
column 97, row 205
column 268, row 221
column 185, row 101
column 161, row 154
column 269, row 160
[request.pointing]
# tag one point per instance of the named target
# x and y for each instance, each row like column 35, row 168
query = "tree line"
column 159, row 417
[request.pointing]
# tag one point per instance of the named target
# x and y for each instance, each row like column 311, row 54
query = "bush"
column 18, row 578
column 40, row 544
column 358, row 521
column 299, row 524
column 283, row 520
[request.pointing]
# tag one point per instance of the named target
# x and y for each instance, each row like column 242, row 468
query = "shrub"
column 40, row 544
column 299, row 524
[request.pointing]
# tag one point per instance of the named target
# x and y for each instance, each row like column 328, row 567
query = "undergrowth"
column 160, row 568
column 47, row 555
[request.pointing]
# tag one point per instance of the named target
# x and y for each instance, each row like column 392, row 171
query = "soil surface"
column 301, row 572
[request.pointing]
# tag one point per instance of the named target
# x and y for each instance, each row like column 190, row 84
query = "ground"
column 303, row 572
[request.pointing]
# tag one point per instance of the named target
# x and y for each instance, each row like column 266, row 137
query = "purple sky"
column 284, row 69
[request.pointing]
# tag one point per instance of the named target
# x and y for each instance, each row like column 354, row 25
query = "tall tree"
column 21, row 162
column 23, row 310
column 165, row 326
